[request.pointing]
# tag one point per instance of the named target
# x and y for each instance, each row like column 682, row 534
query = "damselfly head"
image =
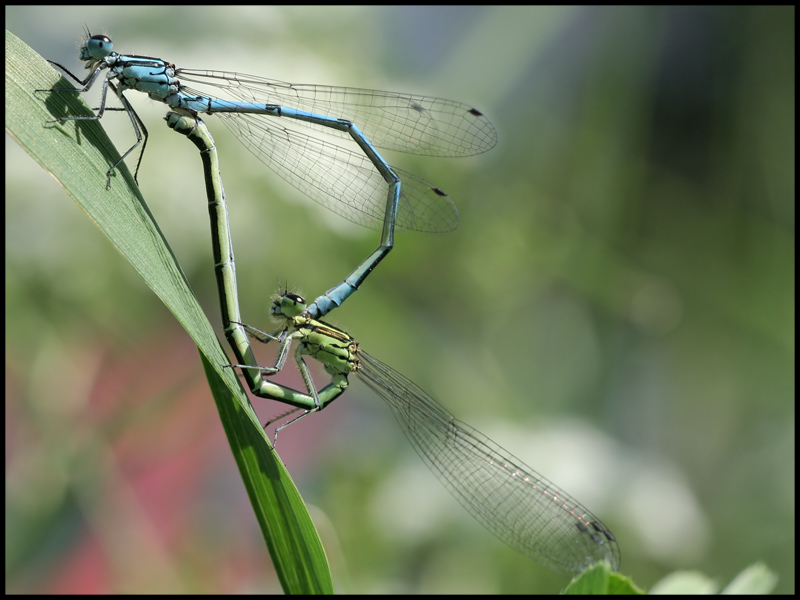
column 287, row 304
column 96, row 48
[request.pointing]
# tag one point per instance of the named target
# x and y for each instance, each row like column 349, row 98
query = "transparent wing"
column 339, row 179
column 509, row 498
column 395, row 121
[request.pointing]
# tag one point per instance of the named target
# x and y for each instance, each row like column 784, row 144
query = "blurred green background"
column 616, row 308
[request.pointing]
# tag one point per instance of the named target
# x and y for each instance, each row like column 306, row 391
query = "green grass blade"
column 78, row 154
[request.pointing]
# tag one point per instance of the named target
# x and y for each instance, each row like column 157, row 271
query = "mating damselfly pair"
column 509, row 498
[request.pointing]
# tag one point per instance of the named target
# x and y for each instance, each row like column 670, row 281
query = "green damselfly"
column 509, row 498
